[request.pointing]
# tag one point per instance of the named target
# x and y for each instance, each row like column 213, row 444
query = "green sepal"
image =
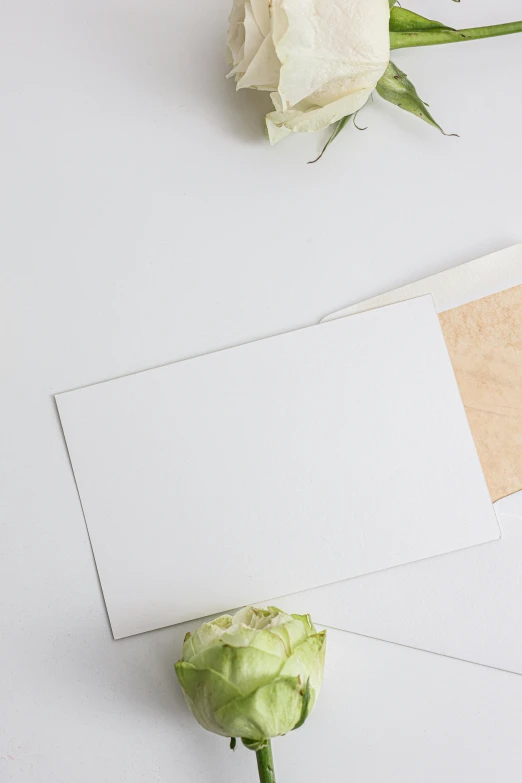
column 395, row 87
column 254, row 745
column 339, row 126
column 233, row 743
column 404, row 21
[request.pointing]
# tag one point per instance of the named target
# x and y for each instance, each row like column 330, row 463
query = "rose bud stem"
column 265, row 764
column 403, row 40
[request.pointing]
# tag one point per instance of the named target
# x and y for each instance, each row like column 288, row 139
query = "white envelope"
column 454, row 287
column 291, row 462
column 465, row 605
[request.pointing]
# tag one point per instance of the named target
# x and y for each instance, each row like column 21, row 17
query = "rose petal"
column 253, row 40
column 327, row 40
column 263, row 71
column 276, row 100
column 280, row 124
column 261, row 10
column 236, row 32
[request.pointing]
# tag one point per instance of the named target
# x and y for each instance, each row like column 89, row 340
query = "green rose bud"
column 255, row 675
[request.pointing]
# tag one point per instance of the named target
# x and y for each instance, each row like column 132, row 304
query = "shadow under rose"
column 176, row 54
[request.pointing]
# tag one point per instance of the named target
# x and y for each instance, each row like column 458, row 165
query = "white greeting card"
column 274, row 467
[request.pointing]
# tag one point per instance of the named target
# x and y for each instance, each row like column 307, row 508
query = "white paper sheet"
column 465, row 605
column 410, row 718
column 287, row 463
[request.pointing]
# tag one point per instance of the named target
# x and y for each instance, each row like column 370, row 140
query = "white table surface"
column 145, row 219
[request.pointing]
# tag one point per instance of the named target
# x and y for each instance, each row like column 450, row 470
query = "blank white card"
column 281, row 465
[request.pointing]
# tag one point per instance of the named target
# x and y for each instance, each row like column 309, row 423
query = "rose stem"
column 434, row 37
column 265, row 764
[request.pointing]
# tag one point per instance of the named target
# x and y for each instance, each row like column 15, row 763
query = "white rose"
column 320, row 59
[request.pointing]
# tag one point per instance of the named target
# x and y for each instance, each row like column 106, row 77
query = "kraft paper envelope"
column 468, row 604
column 300, row 460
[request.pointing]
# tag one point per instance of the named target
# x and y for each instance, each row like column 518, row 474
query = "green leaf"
column 392, row 3
column 403, row 21
column 396, row 88
column 338, row 128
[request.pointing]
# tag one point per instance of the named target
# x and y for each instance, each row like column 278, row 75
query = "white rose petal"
column 236, row 33
column 263, row 71
column 253, row 41
column 281, row 123
column 320, row 59
column 330, row 40
column 261, row 9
